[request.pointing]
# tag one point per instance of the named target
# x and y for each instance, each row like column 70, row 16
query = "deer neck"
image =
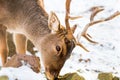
column 37, row 29
column 35, row 22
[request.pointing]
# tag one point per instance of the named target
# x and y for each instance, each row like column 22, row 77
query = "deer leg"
column 20, row 43
column 3, row 44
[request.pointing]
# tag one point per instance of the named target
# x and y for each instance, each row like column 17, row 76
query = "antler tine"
column 95, row 12
column 112, row 16
column 69, row 31
column 87, row 36
column 79, row 44
column 75, row 17
column 67, row 14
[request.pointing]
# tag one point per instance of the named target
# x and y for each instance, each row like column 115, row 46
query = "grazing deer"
column 28, row 20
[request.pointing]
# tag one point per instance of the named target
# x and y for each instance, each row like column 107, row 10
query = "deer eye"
column 58, row 48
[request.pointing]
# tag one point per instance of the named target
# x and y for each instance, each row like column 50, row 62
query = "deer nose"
column 53, row 79
column 52, row 75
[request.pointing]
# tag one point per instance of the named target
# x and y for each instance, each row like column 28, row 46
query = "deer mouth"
column 54, row 79
column 51, row 74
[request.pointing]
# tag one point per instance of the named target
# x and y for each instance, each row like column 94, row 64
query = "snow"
column 103, row 57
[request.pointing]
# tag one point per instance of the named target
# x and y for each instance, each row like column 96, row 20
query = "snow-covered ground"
column 103, row 57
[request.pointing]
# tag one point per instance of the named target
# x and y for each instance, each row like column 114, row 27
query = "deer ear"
column 53, row 22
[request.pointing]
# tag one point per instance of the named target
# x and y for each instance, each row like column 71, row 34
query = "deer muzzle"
column 52, row 75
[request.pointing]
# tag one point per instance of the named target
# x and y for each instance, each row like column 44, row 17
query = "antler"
column 95, row 11
column 92, row 22
column 69, row 31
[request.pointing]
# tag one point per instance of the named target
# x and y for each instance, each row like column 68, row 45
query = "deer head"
column 57, row 46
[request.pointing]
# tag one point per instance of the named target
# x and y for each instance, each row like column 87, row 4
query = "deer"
column 28, row 20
